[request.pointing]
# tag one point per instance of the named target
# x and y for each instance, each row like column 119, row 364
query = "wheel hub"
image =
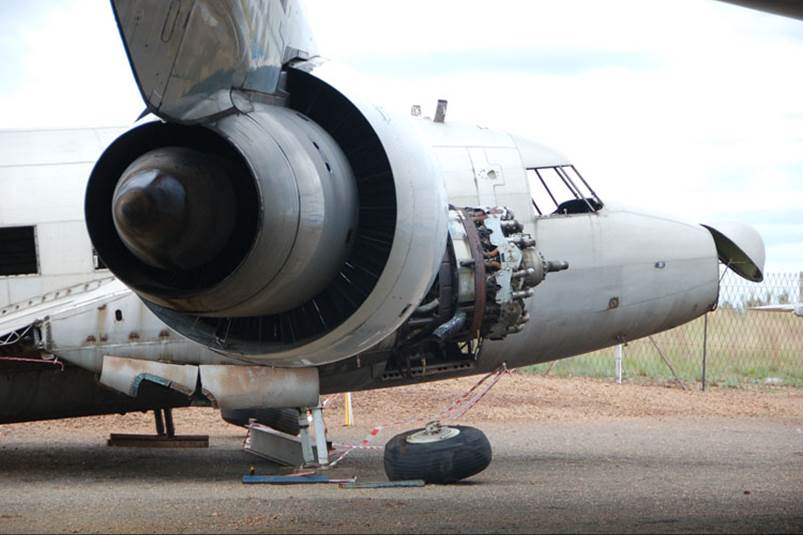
column 433, row 432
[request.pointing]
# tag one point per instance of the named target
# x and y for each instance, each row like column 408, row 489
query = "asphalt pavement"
column 669, row 475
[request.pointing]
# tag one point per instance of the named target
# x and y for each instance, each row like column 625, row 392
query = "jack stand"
column 288, row 449
column 306, row 442
column 165, row 435
column 164, row 422
column 320, row 436
column 319, row 455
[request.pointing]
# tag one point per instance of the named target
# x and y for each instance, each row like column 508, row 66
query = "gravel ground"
column 569, row 455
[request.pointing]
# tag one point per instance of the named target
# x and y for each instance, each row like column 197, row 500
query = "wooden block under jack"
column 124, row 440
column 165, row 436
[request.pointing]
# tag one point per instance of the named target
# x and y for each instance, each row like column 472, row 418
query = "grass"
column 743, row 348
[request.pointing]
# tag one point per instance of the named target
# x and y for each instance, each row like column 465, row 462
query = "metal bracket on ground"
column 288, row 449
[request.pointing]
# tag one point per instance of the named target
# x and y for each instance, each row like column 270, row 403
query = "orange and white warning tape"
column 457, row 409
column 330, row 399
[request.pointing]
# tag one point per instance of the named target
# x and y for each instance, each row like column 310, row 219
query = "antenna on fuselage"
column 440, row 111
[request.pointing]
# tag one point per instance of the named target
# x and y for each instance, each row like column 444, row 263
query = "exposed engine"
column 490, row 267
column 299, row 231
column 304, row 230
column 498, row 267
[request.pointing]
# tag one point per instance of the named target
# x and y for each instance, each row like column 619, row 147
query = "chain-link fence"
column 733, row 345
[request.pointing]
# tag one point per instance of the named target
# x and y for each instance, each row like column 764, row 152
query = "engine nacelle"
column 220, row 236
column 298, row 234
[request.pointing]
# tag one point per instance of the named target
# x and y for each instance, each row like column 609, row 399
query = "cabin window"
column 18, row 251
column 561, row 190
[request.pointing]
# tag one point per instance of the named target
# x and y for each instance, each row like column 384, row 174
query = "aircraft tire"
column 284, row 420
column 443, row 461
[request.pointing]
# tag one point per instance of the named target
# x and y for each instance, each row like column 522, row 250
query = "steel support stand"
column 306, row 441
column 169, row 427
column 289, row 449
column 160, row 424
column 619, row 364
column 320, row 435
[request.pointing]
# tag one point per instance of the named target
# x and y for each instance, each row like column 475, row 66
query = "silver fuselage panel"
column 43, row 175
column 631, row 273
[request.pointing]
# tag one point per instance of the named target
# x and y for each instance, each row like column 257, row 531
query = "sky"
column 686, row 107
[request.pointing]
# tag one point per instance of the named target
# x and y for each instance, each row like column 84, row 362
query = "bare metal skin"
column 276, row 217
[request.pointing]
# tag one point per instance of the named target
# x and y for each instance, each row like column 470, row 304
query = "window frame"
column 571, row 187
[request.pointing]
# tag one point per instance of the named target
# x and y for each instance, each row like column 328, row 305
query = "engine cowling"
column 298, row 234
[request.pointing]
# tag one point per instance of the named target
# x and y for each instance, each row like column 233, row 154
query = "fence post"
column 705, row 346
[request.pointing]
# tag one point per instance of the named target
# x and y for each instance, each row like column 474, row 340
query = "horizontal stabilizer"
column 187, row 55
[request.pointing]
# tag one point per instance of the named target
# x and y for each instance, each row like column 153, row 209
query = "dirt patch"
column 515, row 397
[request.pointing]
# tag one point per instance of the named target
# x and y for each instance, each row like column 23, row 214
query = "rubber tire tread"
column 284, row 420
column 447, row 461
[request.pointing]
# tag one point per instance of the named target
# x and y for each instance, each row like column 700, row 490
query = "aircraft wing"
column 796, row 308
column 187, row 55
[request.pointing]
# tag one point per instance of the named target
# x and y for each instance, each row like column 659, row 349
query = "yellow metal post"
column 348, row 410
